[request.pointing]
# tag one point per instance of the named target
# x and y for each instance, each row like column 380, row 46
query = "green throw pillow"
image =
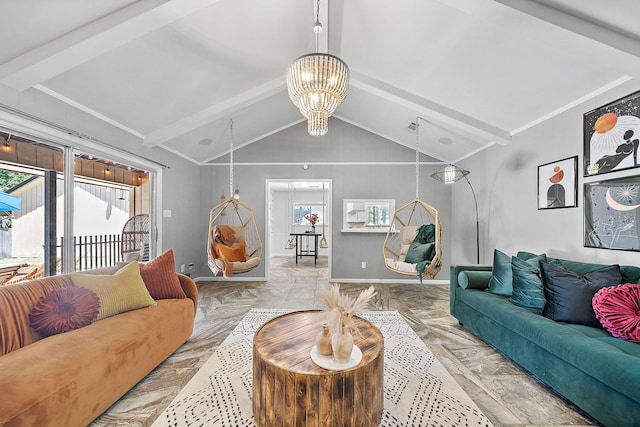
column 528, row 290
column 419, row 252
column 500, row 283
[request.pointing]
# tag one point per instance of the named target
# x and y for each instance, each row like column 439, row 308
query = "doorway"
column 290, row 205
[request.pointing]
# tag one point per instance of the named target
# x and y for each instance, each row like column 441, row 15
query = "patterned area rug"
column 418, row 391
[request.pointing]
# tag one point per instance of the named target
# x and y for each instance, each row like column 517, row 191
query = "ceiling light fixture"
column 317, row 84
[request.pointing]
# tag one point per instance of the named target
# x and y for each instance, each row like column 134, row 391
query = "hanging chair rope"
column 242, row 221
column 408, row 226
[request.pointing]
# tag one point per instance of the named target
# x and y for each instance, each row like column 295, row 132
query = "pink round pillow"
column 618, row 310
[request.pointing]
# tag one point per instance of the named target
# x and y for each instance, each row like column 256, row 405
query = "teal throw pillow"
column 419, row 252
column 528, row 290
column 500, row 283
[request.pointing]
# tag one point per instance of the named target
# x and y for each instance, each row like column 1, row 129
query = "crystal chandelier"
column 317, row 84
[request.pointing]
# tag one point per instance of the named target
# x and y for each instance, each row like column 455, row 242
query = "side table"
column 290, row 390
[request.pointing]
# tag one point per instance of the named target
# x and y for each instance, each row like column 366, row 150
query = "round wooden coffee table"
column 289, row 389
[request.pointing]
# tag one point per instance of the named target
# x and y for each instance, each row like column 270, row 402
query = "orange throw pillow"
column 160, row 277
column 235, row 253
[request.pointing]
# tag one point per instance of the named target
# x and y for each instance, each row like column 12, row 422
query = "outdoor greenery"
column 10, row 179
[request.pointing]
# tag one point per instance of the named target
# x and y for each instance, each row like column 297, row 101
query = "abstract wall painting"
column 611, row 136
column 612, row 214
column 558, row 184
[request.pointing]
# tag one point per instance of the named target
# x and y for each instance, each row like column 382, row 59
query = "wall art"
column 558, row 184
column 612, row 214
column 611, row 136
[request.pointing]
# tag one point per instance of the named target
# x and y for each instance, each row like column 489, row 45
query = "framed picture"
column 612, row 214
column 611, row 136
column 558, row 184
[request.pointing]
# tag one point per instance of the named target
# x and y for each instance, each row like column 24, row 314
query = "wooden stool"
column 290, row 390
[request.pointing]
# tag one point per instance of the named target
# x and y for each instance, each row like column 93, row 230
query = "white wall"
column 505, row 180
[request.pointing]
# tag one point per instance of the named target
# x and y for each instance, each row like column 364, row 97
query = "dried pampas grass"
column 341, row 308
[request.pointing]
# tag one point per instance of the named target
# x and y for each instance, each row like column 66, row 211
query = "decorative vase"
column 323, row 341
column 313, row 228
column 342, row 343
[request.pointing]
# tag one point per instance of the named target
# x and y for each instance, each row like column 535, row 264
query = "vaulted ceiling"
column 173, row 72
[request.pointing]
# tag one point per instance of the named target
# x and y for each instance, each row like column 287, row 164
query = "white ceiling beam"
column 100, row 36
column 428, row 109
column 612, row 37
column 215, row 112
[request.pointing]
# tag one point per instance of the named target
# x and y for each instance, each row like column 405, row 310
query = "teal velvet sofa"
column 586, row 365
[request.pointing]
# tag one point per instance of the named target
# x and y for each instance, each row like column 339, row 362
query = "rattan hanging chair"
column 241, row 220
column 135, row 238
column 413, row 243
column 234, row 242
column 405, row 224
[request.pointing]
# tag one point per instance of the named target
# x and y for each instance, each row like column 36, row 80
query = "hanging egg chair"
column 135, row 238
column 234, row 242
column 413, row 243
column 403, row 250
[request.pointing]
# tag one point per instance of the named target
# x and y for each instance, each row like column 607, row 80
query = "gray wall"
column 505, row 180
column 344, row 143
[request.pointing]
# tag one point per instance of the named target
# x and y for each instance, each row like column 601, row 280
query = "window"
column 300, row 211
column 362, row 215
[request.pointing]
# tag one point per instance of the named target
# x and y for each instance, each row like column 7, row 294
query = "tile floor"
column 506, row 394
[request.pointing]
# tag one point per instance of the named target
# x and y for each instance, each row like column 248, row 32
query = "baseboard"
column 229, row 279
column 405, row 281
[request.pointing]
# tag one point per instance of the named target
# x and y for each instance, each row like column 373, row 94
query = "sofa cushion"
column 64, row 310
column 502, row 277
column 469, row 279
column 159, row 276
column 568, row 295
column 123, row 291
column 618, row 309
column 527, row 284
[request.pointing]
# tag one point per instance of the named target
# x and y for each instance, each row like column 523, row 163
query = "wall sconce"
column 7, row 144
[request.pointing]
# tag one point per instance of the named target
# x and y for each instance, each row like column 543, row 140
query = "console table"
column 306, row 252
column 290, row 390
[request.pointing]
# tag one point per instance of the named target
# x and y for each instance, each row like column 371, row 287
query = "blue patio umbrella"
column 9, row 203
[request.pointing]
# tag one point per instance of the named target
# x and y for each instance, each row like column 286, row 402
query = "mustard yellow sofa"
column 68, row 379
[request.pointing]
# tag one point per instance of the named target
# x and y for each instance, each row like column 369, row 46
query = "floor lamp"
column 450, row 174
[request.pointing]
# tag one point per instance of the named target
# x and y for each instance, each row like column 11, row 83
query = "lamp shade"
column 317, row 83
column 450, row 174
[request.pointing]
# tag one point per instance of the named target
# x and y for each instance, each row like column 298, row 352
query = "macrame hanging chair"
column 413, row 243
column 234, row 242
column 135, row 238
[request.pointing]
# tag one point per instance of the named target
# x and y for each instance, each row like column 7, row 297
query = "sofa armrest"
column 454, row 271
column 190, row 289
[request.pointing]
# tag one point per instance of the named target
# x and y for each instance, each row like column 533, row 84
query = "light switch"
column 166, row 213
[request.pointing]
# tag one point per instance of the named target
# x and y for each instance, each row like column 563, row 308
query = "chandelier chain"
column 317, row 27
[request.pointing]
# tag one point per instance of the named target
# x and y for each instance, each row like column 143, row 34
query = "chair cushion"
column 235, row 253
column 419, row 252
